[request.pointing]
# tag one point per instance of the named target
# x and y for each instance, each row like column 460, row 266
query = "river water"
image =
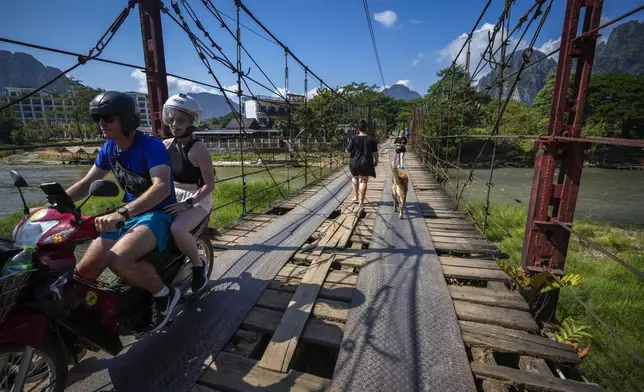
column 67, row 175
column 604, row 194
column 612, row 195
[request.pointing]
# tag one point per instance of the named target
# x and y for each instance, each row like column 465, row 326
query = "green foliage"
column 572, row 331
column 9, row 122
column 77, row 100
column 217, row 122
column 612, row 291
column 616, row 102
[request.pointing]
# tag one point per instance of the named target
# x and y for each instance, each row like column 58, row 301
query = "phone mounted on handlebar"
column 57, row 197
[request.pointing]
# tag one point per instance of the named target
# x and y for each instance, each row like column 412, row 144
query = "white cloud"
column 404, row 82
column 415, row 21
column 312, row 93
column 176, row 86
column 388, row 18
column 478, row 45
column 281, row 92
column 416, row 61
column 549, row 46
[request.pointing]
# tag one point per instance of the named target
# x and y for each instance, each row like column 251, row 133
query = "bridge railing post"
column 553, row 199
column 154, row 56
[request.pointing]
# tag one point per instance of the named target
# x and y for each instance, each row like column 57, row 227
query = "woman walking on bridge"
column 401, row 148
column 363, row 151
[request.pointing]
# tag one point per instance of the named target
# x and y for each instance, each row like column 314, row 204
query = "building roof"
column 247, row 123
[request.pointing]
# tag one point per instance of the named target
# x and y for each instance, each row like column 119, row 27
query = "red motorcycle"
column 49, row 316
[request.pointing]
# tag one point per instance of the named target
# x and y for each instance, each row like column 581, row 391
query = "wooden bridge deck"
column 291, row 337
column 290, row 281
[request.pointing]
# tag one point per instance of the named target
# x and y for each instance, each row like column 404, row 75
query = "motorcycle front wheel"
column 31, row 369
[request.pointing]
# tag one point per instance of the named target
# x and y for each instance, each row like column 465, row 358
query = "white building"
column 144, row 107
column 36, row 106
column 265, row 108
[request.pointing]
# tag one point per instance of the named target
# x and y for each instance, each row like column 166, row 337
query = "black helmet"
column 120, row 104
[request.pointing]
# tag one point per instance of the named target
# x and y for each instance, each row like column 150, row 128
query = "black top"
column 361, row 149
column 401, row 140
column 361, row 145
column 183, row 170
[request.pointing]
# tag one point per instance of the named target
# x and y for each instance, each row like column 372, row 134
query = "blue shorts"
column 157, row 221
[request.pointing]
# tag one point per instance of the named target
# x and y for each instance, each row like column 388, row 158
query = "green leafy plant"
column 572, row 331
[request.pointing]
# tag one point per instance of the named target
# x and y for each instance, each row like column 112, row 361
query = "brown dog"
column 399, row 188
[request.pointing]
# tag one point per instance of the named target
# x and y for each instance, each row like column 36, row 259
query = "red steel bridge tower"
column 559, row 160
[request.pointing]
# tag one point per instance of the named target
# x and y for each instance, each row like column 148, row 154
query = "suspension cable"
column 94, row 52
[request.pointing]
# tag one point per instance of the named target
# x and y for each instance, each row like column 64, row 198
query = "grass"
column 613, row 292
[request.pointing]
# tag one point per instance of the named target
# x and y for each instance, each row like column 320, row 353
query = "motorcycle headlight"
column 57, row 237
column 30, row 232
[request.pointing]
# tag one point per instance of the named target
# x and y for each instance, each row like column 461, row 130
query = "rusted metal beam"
column 154, row 55
column 553, row 199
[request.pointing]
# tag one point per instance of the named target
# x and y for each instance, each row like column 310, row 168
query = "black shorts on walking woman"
column 361, row 149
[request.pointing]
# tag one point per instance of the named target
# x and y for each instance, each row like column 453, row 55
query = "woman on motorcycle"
column 194, row 179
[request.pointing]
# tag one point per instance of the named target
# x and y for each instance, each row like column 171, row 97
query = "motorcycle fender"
column 29, row 327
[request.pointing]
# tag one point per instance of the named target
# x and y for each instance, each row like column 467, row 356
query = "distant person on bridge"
column 141, row 166
column 194, row 179
column 363, row 151
column 401, row 148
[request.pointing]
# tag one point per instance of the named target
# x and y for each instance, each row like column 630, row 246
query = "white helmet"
column 182, row 103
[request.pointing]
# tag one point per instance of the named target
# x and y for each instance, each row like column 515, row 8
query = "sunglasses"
column 108, row 118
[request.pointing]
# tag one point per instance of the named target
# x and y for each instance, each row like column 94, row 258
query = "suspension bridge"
column 315, row 292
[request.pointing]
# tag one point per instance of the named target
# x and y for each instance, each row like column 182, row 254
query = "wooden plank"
column 506, row 340
column 452, row 246
column 534, row 365
column 231, row 372
column 322, row 332
column 475, row 273
column 497, row 286
column 299, row 271
column 349, row 226
column 325, row 309
column 483, row 296
column 483, row 355
column 282, row 346
column 334, row 291
column 530, row 381
column 505, row 317
column 462, row 222
column 471, row 233
column 349, row 259
column 432, row 213
column 469, row 262
column 468, row 241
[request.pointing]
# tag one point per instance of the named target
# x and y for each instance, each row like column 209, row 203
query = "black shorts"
column 401, row 149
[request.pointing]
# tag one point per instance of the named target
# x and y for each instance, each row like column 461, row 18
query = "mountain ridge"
column 400, row 91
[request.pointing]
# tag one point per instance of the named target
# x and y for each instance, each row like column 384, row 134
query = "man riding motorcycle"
column 141, row 166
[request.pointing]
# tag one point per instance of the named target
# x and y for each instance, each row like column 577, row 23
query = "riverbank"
column 614, row 293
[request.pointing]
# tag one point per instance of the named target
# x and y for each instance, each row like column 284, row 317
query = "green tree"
column 613, row 107
column 9, row 122
column 77, row 100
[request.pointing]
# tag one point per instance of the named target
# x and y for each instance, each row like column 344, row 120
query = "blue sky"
column 415, row 38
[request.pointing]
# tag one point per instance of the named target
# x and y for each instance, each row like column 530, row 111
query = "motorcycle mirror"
column 18, row 180
column 103, row 188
